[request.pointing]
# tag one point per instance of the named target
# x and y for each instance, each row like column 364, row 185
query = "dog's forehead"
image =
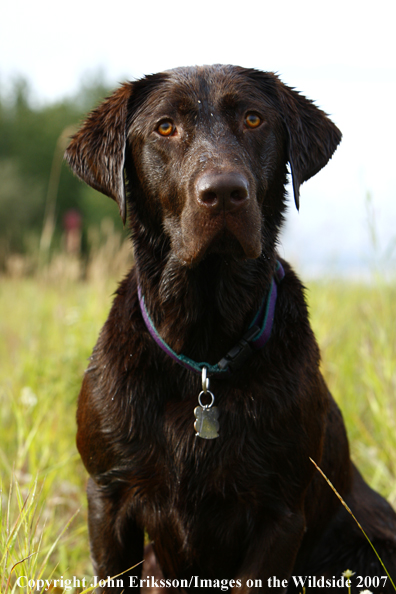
column 218, row 86
column 213, row 84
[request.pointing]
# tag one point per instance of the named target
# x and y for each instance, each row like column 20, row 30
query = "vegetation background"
column 52, row 306
column 36, row 188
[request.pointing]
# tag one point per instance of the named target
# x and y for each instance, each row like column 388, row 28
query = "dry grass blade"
column 13, row 567
column 357, row 522
column 44, row 564
column 112, row 578
column 11, row 534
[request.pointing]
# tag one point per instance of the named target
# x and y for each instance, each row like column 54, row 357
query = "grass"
column 354, row 325
column 47, row 335
column 48, row 328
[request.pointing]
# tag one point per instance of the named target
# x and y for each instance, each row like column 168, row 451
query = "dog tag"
column 207, row 424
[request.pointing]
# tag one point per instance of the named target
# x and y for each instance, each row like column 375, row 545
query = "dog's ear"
column 96, row 152
column 313, row 137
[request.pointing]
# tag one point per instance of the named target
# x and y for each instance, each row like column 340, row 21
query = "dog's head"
column 203, row 153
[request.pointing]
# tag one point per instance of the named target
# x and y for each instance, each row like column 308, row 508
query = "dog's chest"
column 197, row 480
column 187, row 469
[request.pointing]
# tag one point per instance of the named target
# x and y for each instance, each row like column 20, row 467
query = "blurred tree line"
column 36, row 186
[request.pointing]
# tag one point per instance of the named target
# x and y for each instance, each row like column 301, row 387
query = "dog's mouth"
column 236, row 236
column 225, row 243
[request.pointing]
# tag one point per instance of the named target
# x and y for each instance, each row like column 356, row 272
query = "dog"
column 203, row 406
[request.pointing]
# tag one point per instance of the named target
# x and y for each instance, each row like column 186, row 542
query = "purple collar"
column 254, row 338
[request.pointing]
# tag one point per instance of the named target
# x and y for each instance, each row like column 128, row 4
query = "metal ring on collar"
column 205, row 406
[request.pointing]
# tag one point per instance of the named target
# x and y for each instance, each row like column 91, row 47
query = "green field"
column 48, row 327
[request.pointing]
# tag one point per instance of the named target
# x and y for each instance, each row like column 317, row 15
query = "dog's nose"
column 222, row 191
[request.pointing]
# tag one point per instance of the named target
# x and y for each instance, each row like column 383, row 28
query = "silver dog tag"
column 207, row 424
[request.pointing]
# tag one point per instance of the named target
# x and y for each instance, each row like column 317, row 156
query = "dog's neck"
column 201, row 312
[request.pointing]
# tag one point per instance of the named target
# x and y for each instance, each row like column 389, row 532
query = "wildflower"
column 348, row 573
column 28, row 398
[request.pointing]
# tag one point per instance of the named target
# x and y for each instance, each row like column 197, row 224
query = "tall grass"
column 48, row 332
column 49, row 323
column 355, row 328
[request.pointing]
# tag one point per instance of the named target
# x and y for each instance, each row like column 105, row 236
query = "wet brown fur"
column 248, row 505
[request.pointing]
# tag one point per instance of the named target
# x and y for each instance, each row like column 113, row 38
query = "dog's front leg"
column 116, row 541
column 272, row 555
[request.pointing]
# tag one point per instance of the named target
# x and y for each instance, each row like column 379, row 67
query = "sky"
column 342, row 54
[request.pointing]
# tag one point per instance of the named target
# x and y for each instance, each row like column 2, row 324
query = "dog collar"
column 254, row 338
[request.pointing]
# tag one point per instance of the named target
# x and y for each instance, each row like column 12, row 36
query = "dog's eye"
column 252, row 120
column 165, row 128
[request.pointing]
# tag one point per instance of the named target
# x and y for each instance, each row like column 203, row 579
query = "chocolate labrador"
column 203, row 402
